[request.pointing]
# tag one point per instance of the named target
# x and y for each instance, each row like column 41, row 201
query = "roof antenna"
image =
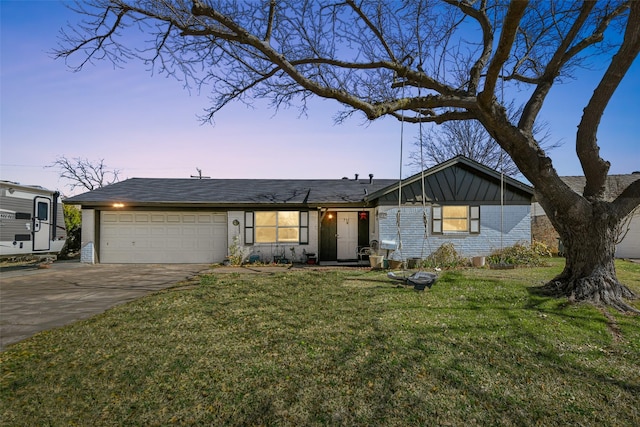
column 199, row 176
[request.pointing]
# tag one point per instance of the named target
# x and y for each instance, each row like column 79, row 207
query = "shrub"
column 521, row 254
column 445, row 256
column 236, row 252
column 73, row 225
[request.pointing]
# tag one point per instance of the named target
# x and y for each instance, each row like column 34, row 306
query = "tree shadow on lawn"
column 508, row 376
column 554, row 377
column 559, row 352
column 515, row 390
column 468, row 349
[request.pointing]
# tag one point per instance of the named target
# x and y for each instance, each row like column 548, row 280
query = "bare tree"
column 84, row 173
column 405, row 59
column 467, row 138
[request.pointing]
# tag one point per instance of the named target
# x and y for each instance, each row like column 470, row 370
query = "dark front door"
column 363, row 228
column 328, row 241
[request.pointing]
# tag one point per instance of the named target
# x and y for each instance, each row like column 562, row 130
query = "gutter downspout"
column 54, row 215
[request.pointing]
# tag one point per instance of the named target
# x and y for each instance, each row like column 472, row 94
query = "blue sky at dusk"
column 147, row 125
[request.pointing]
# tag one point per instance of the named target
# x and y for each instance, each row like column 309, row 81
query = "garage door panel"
column 158, row 244
column 189, row 232
column 109, row 217
column 158, row 231
column 187, row 244
column 140, row 243
column 204, row 246
column 141, row 232
column 162, row 237
column 172, row 231
column 629, row 247
column 205, row 231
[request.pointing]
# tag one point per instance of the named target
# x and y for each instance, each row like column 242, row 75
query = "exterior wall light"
column 118, row 205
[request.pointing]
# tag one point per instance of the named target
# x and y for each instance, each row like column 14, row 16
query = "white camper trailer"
column 31, row 220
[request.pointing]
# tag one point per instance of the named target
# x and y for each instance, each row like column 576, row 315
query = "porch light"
column 118, row 205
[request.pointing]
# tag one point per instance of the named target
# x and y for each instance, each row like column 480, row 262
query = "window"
column 276, row 227
column 43, row 211
column 455, row 219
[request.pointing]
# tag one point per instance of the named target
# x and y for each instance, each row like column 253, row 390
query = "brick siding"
column 516, row 228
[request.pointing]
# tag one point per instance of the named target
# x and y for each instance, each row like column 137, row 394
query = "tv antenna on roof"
column 199, row 176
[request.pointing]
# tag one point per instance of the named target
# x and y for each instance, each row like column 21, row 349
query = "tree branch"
column 430, row 116
column 595, row 168
column 272, row 12
column 480, row 16
column 98, row 40
column 628, row 200
column 507, row 36
column 421, row 80
column 278, row 59
column 375, row 30
column 552, row 70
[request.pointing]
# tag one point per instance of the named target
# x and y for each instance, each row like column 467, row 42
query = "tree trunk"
column 587, row 225
column 589, row 273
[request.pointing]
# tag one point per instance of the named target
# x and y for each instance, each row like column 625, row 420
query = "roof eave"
column 124, row 204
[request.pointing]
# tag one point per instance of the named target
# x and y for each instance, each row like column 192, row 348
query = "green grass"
column 335, row 348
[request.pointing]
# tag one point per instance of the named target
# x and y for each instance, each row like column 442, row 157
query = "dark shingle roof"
column 615, row 184
column 224, row 192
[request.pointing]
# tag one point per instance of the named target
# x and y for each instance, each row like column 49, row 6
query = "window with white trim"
column 455, row 219
column 276, row 227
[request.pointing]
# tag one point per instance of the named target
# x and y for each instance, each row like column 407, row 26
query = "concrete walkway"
column 34, row 300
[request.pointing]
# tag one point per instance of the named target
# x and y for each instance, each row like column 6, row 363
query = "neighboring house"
column 629, row 246
column 154, row 220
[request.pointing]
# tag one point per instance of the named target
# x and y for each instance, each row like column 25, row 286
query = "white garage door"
column 630, row 245
column 162, row 237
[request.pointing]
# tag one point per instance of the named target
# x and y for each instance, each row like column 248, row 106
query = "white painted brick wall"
column 87, row 253
column 516, row 227
column 88, row 236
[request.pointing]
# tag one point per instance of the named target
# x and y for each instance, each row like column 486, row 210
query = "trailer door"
column 41, row 223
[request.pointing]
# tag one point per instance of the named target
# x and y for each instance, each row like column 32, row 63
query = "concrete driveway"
column 34, row 300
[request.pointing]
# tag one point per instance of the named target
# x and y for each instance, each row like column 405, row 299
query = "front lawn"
column 301, row 347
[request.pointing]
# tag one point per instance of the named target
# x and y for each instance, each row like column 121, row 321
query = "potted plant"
column 376, row 261
column 395, row 263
